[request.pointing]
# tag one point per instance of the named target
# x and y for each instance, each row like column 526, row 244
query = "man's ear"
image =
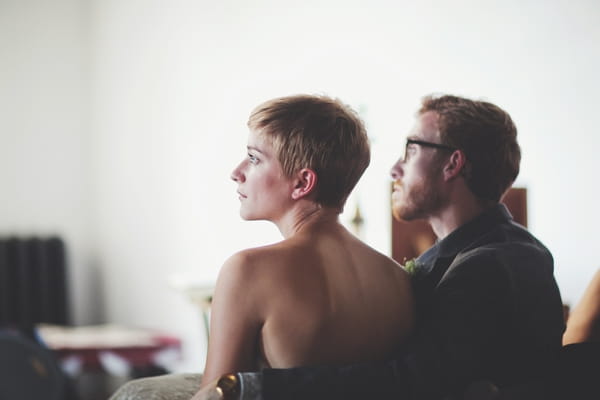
column 304, row 184
column 455, row 165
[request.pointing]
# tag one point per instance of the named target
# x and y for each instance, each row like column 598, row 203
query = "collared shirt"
column 433, row 263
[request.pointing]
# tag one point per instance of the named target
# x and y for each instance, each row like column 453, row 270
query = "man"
column 488, row 307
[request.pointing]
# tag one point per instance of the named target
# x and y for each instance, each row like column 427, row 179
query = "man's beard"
column 418, row 201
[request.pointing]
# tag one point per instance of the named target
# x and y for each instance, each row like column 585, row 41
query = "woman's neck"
column 306, row 217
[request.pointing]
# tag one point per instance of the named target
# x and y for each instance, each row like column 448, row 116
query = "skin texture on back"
column 340, row 301
column 321, row 297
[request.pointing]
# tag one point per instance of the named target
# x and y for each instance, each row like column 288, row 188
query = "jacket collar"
column 463, row 236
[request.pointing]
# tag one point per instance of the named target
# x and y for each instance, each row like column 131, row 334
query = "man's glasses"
column 424, row 144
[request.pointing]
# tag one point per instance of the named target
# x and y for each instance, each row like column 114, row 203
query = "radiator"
column 33, row 284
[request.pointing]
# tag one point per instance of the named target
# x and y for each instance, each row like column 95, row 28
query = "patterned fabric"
column 167, row 387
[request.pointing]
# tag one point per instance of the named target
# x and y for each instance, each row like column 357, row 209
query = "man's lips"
column 243, row 196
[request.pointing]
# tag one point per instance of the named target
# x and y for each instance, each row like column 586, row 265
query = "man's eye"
column 252, row 158
column 410, row 149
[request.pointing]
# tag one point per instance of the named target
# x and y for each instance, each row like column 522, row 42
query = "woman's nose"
column 237, row 175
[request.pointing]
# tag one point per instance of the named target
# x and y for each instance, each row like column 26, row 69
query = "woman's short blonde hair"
column 319, row 133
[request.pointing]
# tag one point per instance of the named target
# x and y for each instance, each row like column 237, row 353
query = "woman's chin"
column 246, row 216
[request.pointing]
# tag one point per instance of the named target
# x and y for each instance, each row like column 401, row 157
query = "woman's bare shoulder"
column 260, row 264
column 384, row 261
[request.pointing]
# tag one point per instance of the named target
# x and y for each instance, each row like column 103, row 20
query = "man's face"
column 418, row 174
column 264, row 190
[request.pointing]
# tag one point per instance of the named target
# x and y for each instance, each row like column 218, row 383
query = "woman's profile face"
column 264, row 190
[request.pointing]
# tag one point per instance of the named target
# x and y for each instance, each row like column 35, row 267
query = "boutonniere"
column 411, row 266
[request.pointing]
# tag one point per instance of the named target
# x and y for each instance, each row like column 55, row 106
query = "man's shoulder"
column 507, row 247
column 507, row 237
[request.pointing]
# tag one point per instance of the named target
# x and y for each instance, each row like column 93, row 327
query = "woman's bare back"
column 320, row 297
column 335, row 300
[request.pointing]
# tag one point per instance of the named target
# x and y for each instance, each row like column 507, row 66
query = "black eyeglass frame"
column 427, row 144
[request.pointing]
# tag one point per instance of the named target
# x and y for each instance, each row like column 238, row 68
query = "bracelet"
column 229, row 387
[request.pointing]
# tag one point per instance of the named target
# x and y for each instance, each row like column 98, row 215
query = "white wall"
column 44, row 132
column 171, row 86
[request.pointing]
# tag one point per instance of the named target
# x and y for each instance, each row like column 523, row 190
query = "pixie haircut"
column 487, row 136
column 319, row 133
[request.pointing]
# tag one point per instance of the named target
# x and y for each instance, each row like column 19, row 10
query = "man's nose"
column 396, row 171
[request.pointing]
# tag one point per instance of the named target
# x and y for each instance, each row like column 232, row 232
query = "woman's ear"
column 455, row 165
column 304, row 184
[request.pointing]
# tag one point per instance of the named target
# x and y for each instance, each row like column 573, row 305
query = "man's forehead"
column 426, row 126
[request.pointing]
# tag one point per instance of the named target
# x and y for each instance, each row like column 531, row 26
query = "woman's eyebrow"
column 255, row 149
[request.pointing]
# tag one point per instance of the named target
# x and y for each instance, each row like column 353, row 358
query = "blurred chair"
column 28, row 371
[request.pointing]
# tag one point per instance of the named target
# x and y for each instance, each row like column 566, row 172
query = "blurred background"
column 121, row 120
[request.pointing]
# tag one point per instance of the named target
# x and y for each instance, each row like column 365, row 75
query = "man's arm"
column 352, row 382
column 469, row 333
column 448, row 337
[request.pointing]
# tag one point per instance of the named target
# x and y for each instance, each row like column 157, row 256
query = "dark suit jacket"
column 488, row 308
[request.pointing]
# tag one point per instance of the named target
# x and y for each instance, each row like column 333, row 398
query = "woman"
column 320, row 296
